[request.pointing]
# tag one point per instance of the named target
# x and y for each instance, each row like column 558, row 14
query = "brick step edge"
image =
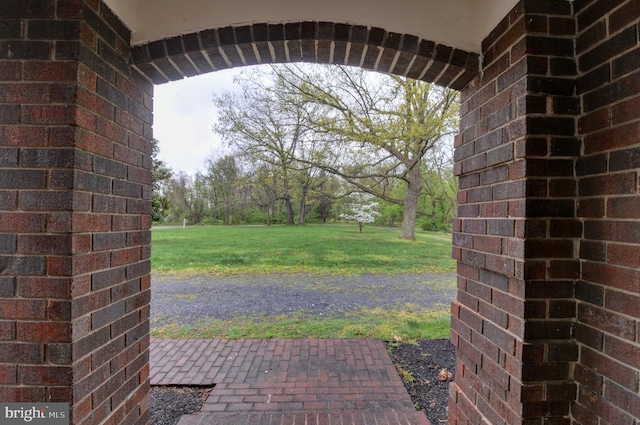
column 413, row 417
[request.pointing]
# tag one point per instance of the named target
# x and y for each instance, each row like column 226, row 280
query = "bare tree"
column 268, row 128
column 186, row 198
column 371, row 130
column 263, row 188
column 377, row 128
column 222, row 177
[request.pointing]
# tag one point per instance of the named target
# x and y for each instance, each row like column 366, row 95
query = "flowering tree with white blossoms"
column 361, row 209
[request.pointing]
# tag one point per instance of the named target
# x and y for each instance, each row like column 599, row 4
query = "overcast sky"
column 183, row 116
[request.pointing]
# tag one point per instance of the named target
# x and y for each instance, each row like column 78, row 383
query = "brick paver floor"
column 287, row 381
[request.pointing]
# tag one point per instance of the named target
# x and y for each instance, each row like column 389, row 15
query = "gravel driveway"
column 185, row 299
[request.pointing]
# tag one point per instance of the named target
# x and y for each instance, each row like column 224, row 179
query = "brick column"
column 608, row 294
column 516, row 234
column 75, row 129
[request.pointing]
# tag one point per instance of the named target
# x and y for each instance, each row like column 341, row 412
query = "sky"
column 183, row 116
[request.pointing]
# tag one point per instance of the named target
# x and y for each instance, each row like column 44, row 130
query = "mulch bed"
column 167, row 404
column 427, row 369
column 431, row 364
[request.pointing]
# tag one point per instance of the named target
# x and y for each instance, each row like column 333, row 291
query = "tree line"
column 303, row 143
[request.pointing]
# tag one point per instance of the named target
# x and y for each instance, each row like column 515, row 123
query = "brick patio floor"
column 287, row 381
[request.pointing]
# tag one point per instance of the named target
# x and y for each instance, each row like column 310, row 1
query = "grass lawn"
column 323, row 249
column 319, row 249
column 406, row 325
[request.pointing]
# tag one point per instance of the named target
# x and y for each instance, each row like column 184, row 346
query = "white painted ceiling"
column 457, row 23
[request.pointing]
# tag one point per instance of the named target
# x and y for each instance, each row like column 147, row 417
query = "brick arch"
column 320, row 42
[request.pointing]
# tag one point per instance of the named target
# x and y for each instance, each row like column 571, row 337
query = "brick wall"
column 75, row 124
column 516, row 234
column 547, row 236
column 608, row 294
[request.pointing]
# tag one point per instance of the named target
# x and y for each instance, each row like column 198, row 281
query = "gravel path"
column 185, row 299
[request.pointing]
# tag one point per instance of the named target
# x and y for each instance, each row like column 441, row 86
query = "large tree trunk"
column 289, row 208
column 302, row 212
column 227, row 215
column 278, row 211
column 411, row 205
column 303, row 204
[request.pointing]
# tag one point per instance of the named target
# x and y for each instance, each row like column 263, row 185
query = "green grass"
column 322, row 249
column 406, row 325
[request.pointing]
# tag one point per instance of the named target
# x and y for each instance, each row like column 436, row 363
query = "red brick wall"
column 608, row 294
column 516, row 234
column 75, row 124
column 36, row 112
column 548, row 236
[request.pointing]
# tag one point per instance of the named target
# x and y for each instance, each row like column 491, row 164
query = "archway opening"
column 335, row 288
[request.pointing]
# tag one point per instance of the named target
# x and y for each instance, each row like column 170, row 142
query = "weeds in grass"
column 408, row 325
column 413, row 323
column 189, row 297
